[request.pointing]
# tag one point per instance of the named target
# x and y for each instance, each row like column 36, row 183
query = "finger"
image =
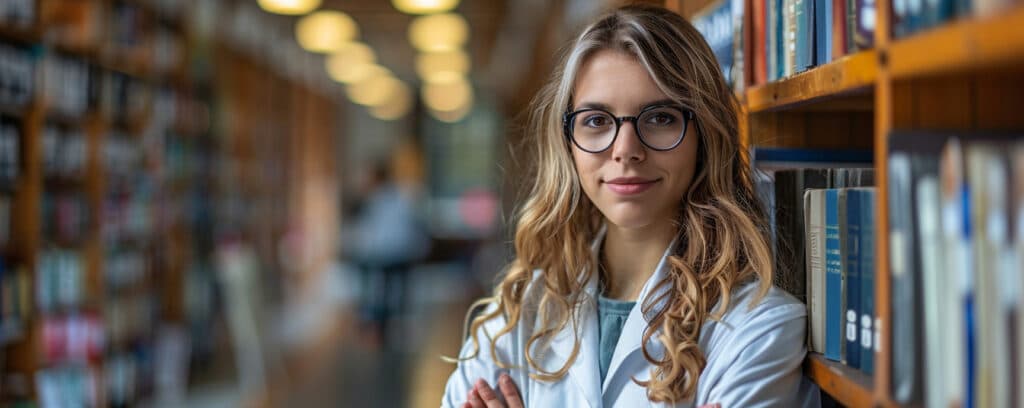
column 510, row 391
column 488, row 395
column 474, row 399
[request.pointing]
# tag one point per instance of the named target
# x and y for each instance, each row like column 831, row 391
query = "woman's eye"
column 661, row 119
column 596, row 121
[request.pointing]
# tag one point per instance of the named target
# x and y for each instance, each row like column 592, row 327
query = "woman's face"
column 631, row 184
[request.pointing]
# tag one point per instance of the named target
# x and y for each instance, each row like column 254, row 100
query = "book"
column 838, row 36
column 789, row 222
column 803, row 22
column 834, row 274
column 864, row 36
column 957, row 258
column 823, row 31
column 1016, row 324
column 759, row 47
column 853, row 272
column 914, row 250
column 867, row 279
column 814, row 221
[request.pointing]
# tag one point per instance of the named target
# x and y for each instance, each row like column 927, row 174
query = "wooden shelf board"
column 845, row 75
column 966, row 44
column 847, row 385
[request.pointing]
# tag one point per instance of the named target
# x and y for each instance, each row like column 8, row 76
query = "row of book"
column 66, row 216
column 17, row 75
column 759, row 41
column 956, row 236
column 821, row 213
column 64, row 152
column 840, row 241
column 10, row 153
column 18, row 12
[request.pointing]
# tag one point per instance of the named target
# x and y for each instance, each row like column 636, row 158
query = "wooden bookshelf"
column 966, row 74
column 960, row 46
column 849, row 74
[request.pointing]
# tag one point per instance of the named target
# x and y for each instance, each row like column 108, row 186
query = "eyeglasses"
column 659, row 127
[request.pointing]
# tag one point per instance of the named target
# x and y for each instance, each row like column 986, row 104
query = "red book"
column 759, row 41
column 839, row 28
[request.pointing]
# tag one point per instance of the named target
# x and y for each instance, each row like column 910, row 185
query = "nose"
column 627, row 146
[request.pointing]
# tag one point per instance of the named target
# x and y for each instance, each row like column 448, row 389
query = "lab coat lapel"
column 633, row 330
column 585, row 371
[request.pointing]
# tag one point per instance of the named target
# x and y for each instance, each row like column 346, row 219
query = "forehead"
column 615, row 79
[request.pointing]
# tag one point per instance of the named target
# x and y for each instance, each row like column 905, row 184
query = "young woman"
column 643, row 273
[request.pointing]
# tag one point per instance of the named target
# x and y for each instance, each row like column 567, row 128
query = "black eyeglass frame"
column 570, row 117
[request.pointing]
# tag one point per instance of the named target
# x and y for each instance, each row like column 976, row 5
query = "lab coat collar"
column 585, row 371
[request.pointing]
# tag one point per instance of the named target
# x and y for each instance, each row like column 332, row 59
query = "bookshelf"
column 160, row 214
column 964, row 74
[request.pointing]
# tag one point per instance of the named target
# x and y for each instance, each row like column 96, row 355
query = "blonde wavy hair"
column 722, row 238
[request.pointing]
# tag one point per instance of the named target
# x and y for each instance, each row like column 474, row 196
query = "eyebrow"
column 606, row 107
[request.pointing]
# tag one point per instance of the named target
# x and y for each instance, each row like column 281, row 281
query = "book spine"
column 760, row 42
column 789, row 21
column 867, row 279
column 804, row 22
column 865, row 24
column 851, row 26
column 853, row 245
column 833, row 278
column 814, row 204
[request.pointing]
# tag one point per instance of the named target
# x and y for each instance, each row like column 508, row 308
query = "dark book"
column 912, row 157
column 790, row 185
column 868, row 328
column 853, row 272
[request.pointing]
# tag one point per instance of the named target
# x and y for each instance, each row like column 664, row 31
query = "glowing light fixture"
column 352, row 63
column 375, row 90
column 289, row 7
column 452, row 116
column 424, row 6
column 438, row 32
column 396, row 106
column 442, row 66
column 325, row 31
column 447, row 96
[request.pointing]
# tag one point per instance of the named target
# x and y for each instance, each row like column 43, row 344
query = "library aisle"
column 263, row 203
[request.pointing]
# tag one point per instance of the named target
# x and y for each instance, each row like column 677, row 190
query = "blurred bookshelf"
column 119, row 179
column 956, row 70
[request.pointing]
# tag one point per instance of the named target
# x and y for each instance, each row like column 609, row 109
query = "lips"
column 630, row 185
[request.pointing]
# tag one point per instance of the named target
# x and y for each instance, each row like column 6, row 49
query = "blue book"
column 867, row 280
column 780, row 41
column 822, row 32
column 853, row 244
column 834, row 341
column 804, row 18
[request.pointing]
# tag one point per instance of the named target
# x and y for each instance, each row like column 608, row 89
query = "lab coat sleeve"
column 468, row 371
column 766, row 370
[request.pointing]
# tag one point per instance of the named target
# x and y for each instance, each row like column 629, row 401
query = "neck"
column 630, row 255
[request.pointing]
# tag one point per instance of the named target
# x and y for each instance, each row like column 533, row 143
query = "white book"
column 957, row 273
column 814, row 225
column 934, row 286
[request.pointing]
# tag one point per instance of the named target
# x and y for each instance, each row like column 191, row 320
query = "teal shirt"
column 612, row 316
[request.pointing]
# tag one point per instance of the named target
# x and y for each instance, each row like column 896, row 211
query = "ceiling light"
column 449, row 95
column 438, row 32
column 442, row 66
column 375, row 90
column 352, row 63
column 289, row 7
column 325, row 31
column 424, row 6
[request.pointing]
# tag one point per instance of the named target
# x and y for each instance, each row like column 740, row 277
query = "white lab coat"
column 754, row 357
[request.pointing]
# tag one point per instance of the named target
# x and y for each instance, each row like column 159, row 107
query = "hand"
column 483, row 396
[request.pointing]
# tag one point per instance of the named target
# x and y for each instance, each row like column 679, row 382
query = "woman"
column 643, row 273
